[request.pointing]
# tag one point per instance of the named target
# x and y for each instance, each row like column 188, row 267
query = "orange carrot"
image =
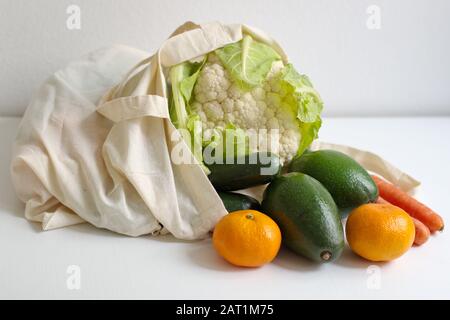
column 380, row 200
column 422, row 231
column 414, row 208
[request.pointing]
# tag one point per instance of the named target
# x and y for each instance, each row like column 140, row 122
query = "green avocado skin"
column 236, row 201
column 349, row 184
column 306, row 214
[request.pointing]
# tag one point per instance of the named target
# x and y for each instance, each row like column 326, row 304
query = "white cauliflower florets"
column 212, row 84
column 218, row 102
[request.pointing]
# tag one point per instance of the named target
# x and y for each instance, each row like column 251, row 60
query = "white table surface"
column 33, row 263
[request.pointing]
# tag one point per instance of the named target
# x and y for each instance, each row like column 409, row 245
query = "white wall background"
column 401, row 69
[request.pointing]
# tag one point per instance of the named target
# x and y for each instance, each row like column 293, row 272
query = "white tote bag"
column 96, row 140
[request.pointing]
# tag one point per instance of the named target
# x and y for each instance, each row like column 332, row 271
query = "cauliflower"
column 247, row 86
column 218, row 102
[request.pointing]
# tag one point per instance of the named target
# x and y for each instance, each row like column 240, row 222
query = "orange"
column 247, row 238
column 379, row 232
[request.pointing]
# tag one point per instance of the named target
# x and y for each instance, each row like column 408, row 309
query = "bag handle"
column 133, row 107
column 208, row 37
column 374, row 163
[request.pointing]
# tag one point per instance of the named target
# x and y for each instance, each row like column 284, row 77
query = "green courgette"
column 244, row 171
column 236, row 201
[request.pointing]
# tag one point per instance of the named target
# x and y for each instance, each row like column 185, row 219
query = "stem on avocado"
column 326, row 255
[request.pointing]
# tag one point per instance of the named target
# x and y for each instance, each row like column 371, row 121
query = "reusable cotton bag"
column 95, row 143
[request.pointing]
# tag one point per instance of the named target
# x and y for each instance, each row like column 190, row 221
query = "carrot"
column 422, row 232
column 380, row 200
column 414, row 208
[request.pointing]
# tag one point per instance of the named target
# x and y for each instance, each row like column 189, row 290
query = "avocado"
column 236, row 201
column 244, row 171
column 307, row 216
column 348, row 182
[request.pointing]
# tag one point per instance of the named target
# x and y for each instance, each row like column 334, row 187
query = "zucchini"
column 244, row 171
column 236, row 201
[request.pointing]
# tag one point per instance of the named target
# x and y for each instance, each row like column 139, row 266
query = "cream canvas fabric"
column 95, row 143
